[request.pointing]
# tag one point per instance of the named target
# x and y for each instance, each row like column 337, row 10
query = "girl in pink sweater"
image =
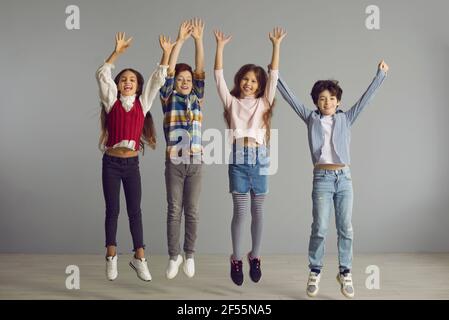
column 248, row 111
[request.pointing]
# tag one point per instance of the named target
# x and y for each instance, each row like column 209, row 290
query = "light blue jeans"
column 331, row 188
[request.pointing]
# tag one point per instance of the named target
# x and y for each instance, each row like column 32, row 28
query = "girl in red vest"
column 126, row 126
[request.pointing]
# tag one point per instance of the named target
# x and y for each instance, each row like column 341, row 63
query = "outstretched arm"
column 222, row 40
column 365, row 99
column 276, row 38
column 198, row 75
column 107, row 86
column 157, row 78
column 167, row 47
column 197, row 34
column 222, row 88
column 167, row 86
column 185, row 30
column 302, row 111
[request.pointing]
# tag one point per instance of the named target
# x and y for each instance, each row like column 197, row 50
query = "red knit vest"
column 124, row 125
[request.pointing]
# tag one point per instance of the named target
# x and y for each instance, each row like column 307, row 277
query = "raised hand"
column 166, row 44
column 383, row 66
column 197, row 28
column 121, row 43
column 221, row 38
column 185, row 30
column 277, row 35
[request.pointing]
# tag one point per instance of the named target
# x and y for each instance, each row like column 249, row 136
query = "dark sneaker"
column 236, row 271
column 254, row 269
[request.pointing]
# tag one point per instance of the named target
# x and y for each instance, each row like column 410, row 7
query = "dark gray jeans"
column 114, row 172
column 183, row 184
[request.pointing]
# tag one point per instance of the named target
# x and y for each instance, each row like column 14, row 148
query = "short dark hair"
column 180, row 67
column 322, row 85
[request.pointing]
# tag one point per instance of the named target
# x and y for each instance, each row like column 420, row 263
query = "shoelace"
column 255, row 263
column 236, row 264
column 313, row 281
column 347, row 280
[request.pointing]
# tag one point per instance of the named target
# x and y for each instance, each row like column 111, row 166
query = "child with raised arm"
column 126, row 126
column 182, row 103
column 329, row 131
column 248, row 109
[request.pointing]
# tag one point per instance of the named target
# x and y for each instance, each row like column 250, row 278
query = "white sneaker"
column 189, row 267
column 111, row 268
column 313, row 284
column 347, row 288
column 173, row 266
column 141, row 268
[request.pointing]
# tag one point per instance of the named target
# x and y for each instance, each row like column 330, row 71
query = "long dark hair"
column 148, row 133
column 262, row 78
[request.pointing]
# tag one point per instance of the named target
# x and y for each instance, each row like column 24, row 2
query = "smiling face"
column 183, row 82
column 127, row 84
column 327, row 103
column 326, row 95
column 249, row 84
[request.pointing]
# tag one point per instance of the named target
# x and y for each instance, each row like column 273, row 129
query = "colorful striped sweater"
column 182, row 118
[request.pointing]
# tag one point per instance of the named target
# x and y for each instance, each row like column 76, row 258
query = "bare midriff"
column 329, row 166
column 121, row 152
column 247, row 142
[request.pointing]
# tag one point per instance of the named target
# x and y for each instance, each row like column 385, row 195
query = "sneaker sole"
column 312, row 295
column 342, row 291
column 134, row 268
column 237, row 284
column 111, row 279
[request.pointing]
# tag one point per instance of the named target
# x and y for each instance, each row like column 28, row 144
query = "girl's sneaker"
column 141, row 268
column 255, row 273
column 313, row 284
column 111, row 268
column 345, row 281
column 236, row 271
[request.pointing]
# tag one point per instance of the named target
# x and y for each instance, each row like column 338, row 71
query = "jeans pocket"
column 263, row 157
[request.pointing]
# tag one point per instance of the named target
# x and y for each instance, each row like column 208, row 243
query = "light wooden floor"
column 402, row 276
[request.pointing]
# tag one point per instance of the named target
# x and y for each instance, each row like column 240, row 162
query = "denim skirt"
column 248, row 170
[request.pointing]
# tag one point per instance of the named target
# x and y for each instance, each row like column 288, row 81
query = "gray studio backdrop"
column 51, row 198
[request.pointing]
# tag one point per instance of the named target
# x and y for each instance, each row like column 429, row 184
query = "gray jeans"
column 183, row 184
